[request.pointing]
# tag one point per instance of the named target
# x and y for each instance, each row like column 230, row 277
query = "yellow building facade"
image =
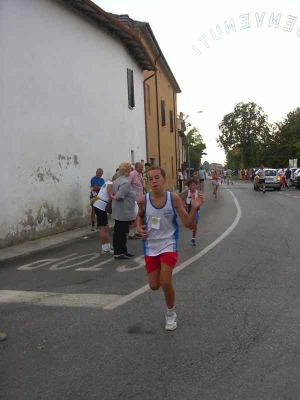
column 160, row 98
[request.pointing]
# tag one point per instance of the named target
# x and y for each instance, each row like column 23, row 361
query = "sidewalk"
column 49, row 241
column 46, row 242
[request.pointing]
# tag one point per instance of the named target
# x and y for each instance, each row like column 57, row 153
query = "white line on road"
column 57, row 299
column 138, row 292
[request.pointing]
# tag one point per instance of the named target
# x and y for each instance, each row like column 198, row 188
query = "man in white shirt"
column 202, row 176
column 229, row 176
column 262, row 178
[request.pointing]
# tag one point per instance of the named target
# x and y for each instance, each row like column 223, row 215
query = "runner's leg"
column 154, row 279
column 166, row 283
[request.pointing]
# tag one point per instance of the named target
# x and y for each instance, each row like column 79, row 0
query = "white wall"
column 64, row 113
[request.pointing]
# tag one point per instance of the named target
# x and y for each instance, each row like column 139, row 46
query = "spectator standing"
column 145, row 178
column 123, row 211
column 288, row 174
column 180, row 180
column 101, row 208
column 96, row 182
column 137, row 183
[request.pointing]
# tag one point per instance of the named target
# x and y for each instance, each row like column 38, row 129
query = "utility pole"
column 189, row 160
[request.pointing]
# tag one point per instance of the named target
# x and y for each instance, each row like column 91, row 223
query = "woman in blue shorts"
column 192, row 193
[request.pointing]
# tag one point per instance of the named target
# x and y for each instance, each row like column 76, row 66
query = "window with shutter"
column 130, row 88
column 171, row 121
column 163, row 112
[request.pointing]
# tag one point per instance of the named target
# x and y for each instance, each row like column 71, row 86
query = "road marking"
column 139, row 260
column 94, row 267
column 296, row 197
column 56, row 267
column 71, row 257
column 58, row 299
column 42, row 263
column 138, row 292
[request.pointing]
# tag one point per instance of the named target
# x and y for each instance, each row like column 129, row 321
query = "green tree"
column 289, row 137
column 233, row 158
column 283, row 142
column 195, row 141
column 197, row 147
column 206, row 166
column 247, row 128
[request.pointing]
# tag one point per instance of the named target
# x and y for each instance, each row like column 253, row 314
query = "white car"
column 273, row 179
column 293, row 170
column 296, row 179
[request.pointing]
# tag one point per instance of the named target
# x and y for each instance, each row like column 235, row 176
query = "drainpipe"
column 145, row 110
column 175, row 128
column 157, row 111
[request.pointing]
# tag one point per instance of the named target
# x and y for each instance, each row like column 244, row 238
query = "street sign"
column 293, row 163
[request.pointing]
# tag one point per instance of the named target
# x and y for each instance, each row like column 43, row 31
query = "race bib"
column 154, row 223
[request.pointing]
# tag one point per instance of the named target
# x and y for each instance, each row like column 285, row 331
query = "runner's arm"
column 183, row 198
column 140, row 217
column 187, row 219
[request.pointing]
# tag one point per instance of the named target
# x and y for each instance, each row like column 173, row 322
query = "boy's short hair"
column 147, row 164
column 192, row 180
column 157, row 168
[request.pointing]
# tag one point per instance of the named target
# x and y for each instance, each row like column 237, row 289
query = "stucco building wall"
column 64, row 113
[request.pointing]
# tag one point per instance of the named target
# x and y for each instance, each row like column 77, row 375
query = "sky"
column 258, row 62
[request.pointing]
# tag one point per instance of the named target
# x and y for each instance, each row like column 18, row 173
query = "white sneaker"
column 171, row 322
column 107, row 251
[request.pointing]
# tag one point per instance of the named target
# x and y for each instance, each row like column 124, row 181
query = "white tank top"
column 103, row 197
column 189, row 197
column 162, row 227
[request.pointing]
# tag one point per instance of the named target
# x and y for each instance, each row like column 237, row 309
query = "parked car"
column 293, row 170
column 273, row 180
column 296, row 180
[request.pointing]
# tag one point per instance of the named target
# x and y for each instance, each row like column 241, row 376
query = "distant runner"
column 229, row 176
column 202, row 176
column 186, row 199
column 215, row 182
column 262, row 178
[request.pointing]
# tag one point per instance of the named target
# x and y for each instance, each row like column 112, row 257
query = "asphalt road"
column 98, row 333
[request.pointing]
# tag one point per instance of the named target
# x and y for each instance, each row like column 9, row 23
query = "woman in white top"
column 102, row 199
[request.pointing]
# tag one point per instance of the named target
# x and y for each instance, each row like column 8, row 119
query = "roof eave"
column 146, row 25
column 133, row 43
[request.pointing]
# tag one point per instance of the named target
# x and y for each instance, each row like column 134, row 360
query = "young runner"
column 202, row 176
column 156, row 222
column 215, row 182
column 186, row 199
column 262, row 178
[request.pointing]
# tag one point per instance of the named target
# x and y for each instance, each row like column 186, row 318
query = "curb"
column 33, row 246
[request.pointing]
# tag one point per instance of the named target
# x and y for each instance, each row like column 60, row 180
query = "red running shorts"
column 153, row 262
